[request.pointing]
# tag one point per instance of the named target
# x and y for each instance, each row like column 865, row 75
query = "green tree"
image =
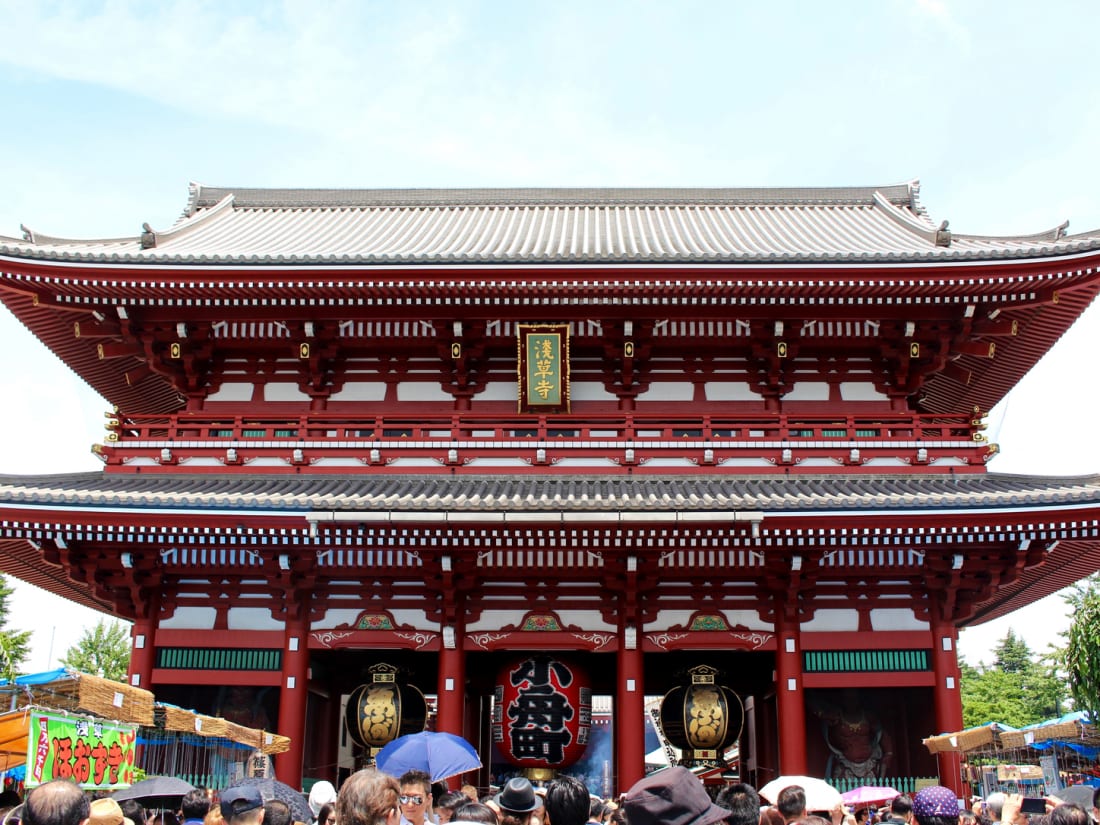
column 102, row 651
column 15, row 645
column 1017, row 689
column 1012, row 654
column 1082, row 652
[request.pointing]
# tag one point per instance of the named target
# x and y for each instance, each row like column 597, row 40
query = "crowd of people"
column 674, row 796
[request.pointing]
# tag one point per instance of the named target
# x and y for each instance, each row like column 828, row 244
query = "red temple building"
column 645, row 430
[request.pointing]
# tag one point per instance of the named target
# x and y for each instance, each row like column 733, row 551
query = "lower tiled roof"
column 494, row 494
column 1067, row 562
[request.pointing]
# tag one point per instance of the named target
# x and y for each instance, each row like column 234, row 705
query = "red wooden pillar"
column 947, row 699
column 629, row 711
column 451, row 688
column 293, row 694
column 143, row 646
column 790, row 702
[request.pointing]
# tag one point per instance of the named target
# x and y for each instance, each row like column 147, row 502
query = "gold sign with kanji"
column 543, row 367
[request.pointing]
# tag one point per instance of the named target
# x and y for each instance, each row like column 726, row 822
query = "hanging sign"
column 543, row 367
column 93, row 752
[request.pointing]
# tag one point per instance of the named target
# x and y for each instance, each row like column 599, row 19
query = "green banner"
column 544, row 382
column 94, row 752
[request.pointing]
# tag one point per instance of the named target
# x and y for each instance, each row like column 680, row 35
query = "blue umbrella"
column 439, row 755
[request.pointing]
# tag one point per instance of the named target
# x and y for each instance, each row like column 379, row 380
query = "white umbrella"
column 820, row 795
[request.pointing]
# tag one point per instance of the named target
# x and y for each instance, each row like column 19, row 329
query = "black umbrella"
column 1077, row 795
column 274, row 789
column 156, row 791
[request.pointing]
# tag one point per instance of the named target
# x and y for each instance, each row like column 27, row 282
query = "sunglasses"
column 411, row 800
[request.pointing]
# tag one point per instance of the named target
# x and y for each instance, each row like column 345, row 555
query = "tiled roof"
column 526, row 494
column 430, row 497
column 549, row 226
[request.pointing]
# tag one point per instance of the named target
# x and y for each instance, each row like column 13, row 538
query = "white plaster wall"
column 496, row 619
column 729, row 391
column 669, row 391
column 232, row 392
column 896, row 619
column 414, row 617
column 832, row 621
column 422, row 391
column 586, row 462
column 334, row 617
column 200, row 461
column 667, row 619
column 499, row 391
column 284, row 391
column 361, row 391
column 808, row 391
column 589, row 391
column 252, row 618
column 861, row 391
column 587, row 619
column 190, row 618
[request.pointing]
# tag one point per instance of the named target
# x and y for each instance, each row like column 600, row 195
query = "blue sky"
column 109, row 109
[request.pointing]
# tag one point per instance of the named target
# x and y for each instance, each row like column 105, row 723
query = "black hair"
column 743, row 802
column 475, row 812
column 567, row 801
column 194, row 805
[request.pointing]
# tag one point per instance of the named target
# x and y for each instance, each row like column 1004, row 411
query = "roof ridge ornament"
column 148, row 237
column 28, row 233
column 912, row 222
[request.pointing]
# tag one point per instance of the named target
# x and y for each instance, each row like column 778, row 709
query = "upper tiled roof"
column 527, row 494
column 549, row 226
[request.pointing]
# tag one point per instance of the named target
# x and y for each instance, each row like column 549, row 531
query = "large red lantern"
column 543, row 713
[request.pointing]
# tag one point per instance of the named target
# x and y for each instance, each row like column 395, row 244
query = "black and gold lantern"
column 383, row 709
column 702, row 718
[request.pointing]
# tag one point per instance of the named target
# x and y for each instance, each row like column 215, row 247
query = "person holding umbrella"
column 416, row 799
column 242, row 805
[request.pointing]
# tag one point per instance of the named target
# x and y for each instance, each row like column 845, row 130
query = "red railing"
column 620, row 440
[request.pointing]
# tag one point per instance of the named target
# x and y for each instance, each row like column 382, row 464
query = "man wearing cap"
column 58, row 802
column 106, row 812
column 674, row 796
column 242, row 805
column 936, row 805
